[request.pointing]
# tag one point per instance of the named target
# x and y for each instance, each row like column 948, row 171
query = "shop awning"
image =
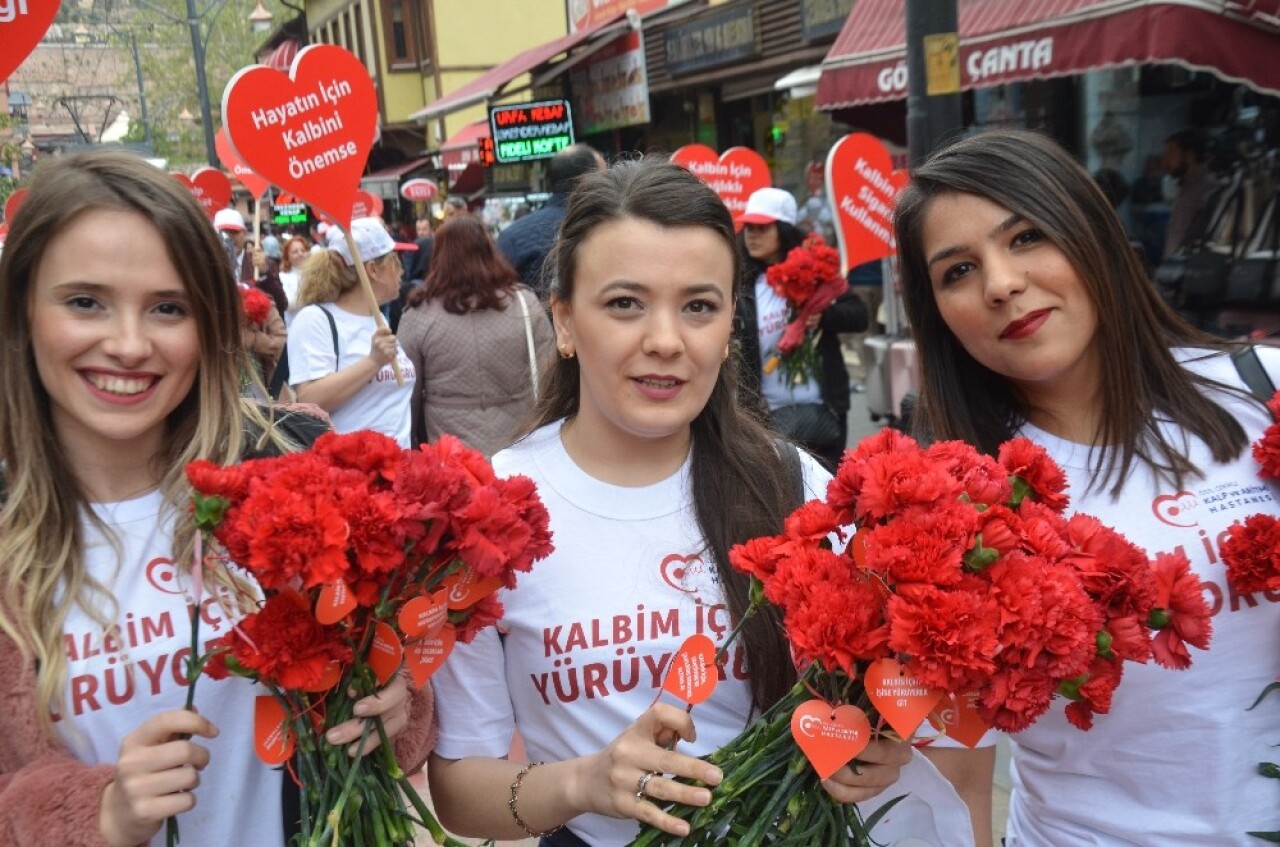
column 463, row 147
column 1002, row 42
column 492, row 82
column 282, row 57
column 386, row 182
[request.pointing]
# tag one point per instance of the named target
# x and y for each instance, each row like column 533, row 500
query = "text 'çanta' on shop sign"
column 525, row 131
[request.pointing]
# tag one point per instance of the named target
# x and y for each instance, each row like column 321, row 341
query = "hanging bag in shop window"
column 1254, row 278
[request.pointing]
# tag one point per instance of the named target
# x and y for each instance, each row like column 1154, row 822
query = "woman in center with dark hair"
column 650, row 471
column 478, row 340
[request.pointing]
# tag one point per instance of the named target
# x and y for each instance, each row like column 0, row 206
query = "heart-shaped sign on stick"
column 861, row 188
column 308, row 132
column 829, row 737
column 734, row 174
column 254, row 184
column 367, row 205
column 14, row 203
column 900, row 699
column 212, row 188
column 21, row 28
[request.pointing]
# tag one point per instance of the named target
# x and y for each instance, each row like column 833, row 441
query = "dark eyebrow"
column 66, row 288
column 1004, row 226
column 698, row 290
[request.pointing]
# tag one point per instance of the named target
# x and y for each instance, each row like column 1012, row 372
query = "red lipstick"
column 1025, row 326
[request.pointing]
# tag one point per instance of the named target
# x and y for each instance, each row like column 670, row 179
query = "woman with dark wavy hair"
column 1032, row 316
column 477, row 338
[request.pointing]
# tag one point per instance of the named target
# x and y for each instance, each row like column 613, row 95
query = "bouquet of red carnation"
column 257, row 305
column 964, row 596
column 809, row 280
column 1251, row 554
column 371, row 560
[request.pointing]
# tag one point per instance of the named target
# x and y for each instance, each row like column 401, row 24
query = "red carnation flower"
column 758, row 557
column 1029, row 462
column 1251, row 553
column 485, row 612
column 284, row 644
column 981, row 477
column 949, row 635
column 1014, row 697
column 257, row 305
column 1181, row 615
column 1093, row 696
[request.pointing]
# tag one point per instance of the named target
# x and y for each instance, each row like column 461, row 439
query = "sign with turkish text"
column 22, row 24
column 862, row 187
column 611, row 89
column 287, row 209
column 734, row 174
column 309, row 131
column 212, row 188
column 419, row 189
column 254, row 184
column 820, row 18
column 525, row 131
column 589, row 14
column 728, row 34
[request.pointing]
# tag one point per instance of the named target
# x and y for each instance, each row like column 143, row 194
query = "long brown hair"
column 1142, row 382
column 42, row 545
column 467, row 274
column 741, row 486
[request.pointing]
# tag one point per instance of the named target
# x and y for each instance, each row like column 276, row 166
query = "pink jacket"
column 49, row 797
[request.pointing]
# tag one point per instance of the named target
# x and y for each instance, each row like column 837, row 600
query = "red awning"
column 463, row 147
column 489, row 83
column 1002, row 42
column 281, row 58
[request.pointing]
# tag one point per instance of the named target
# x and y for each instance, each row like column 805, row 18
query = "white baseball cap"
column 769, row 205
column 371, row 238
column 228, row 220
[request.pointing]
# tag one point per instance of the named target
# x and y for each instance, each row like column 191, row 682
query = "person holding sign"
column 813, row 411
column 122, row 365
column 1033, row 317
column 651, row 471
column 339, row 357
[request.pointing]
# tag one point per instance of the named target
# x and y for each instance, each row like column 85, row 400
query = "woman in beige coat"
column 477, row 338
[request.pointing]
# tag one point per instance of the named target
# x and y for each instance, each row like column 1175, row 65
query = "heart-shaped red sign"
column 466, row 588
column 212, row 188
column 423, row 616
column 693, row 674
column 334, row 603
column 385, row 652
column 254, row 184
column 423, row 658
column 366, row 206
column 22, row 27
column 273, row 738
column 830, row 738
column 957, row 716
column 734, row 174
column 861, row 188
column 308, row 132
column 14, row 203
column 419, row 189
column 900, row 699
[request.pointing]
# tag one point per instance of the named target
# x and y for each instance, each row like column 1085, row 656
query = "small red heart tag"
column 423, row 616
column 385, row 653
column 14, row 203
column 862, row 187
column 425, row 657
column 310, row 131
column 272, row 738
column 334, row 603
column 900, row 699
column 830, row 738
column 212, row 188
column 693, row 674
column 254, row 184
column 858, row 549
column 466, row 588
column 24, row 25
column 957, row 716
column 734, row 174
column 367, row 206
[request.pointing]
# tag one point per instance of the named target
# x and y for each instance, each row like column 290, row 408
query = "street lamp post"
column 202, row 84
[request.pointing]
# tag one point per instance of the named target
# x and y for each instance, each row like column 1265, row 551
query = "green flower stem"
column 194, row 667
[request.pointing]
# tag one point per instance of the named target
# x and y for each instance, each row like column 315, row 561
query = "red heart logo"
column 957, row 716
column 212, row 188
column 426, row 656
column 900, row 699
column 734, row 174
column 14, row 203
column 27, row 22
column 308, row 132
column 423, row 616
column 466, row 588
column 830, row 738
column 676, row 570
column 862, row 187
column 693, row 674
column 254, row 184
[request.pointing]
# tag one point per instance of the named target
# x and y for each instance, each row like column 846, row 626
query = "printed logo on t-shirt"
column 1221, row 505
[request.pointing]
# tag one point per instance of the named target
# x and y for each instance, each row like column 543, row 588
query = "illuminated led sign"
column 526, row 131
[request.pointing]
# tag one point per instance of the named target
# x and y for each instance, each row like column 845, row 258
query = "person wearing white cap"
column 339, row 356
column 813, row 413
column 235, row 234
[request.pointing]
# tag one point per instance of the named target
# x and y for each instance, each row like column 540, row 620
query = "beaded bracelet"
column 511, row 804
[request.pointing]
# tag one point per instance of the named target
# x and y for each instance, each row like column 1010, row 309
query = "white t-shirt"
column 379, row 405
column 115, row 684
column 772, row 316
column 1175, row 761
column 289, row 281
column 591, row 629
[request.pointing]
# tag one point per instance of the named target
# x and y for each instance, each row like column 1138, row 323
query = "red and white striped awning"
column 281, row 58
column 1003, row 41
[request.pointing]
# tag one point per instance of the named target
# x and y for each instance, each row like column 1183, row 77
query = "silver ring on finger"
column 642, row 784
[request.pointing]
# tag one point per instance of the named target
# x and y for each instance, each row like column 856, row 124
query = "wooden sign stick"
column 373, row 298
